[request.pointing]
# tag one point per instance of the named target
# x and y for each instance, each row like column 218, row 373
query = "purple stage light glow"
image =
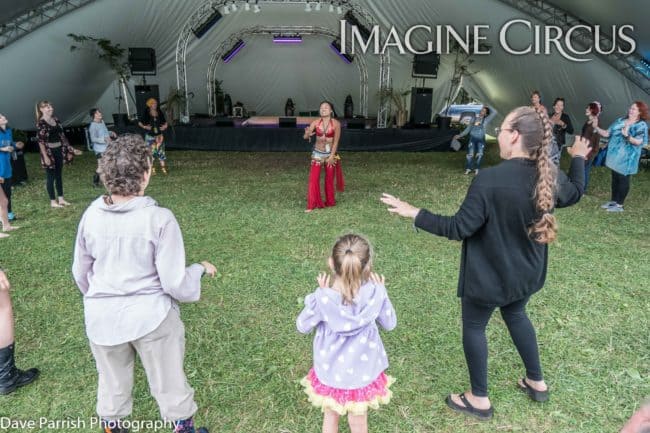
column 287, row 39
column 336, row 48
column 233, row 51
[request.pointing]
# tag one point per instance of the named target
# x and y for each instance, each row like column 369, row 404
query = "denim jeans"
column 476, row 147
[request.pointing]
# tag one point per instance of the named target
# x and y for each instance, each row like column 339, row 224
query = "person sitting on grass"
column 129, row 263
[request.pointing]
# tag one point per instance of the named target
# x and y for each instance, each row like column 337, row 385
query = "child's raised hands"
column 376, row 278
column 323, row 280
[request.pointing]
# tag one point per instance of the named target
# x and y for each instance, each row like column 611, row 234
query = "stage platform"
column 264, row 135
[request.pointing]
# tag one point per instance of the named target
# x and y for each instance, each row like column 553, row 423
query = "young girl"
column 129, row 263
column 349, row 358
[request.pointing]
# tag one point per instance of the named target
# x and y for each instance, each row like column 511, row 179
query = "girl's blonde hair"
column 37, row 109
column 352, row 259
column 536, row 132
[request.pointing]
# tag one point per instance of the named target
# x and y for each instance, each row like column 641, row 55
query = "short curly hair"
column 124, row 163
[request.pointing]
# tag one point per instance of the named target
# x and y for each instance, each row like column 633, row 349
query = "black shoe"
column 538, row 396
column 10, row 377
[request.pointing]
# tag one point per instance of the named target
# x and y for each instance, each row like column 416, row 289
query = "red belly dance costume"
column 318, row 159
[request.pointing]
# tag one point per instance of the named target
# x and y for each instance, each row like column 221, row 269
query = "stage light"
column 287, row 39
column 233, row 51
column 247, row 7
column 226, row 10
column 317, row 8
column 353, row 21
column 339, row 10
column 336, row 47
column 307, row 7
column 234, row 7
column 256, row 8
column 207, row 24
column 331, row 7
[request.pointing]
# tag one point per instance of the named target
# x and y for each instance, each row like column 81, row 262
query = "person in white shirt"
column 129, row 263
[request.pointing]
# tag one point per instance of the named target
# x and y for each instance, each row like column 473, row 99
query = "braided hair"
column 536, row 133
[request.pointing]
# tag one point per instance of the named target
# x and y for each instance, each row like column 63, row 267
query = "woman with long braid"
column 506, row 223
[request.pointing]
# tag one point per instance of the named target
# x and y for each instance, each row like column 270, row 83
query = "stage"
column 264, row 134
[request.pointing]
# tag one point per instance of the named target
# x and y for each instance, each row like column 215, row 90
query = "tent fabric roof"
column 262, row 76
column 12, row 9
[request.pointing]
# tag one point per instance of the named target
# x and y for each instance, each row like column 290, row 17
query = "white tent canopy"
column 40, row 65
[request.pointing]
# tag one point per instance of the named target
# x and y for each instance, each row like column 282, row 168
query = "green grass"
column 244, row 212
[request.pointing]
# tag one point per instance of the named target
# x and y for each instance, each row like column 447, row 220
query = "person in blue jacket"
column 7, row 148
column 476, row 130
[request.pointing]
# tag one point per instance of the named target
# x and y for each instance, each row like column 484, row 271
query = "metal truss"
column 274, row 30
column 551, row 15
column 34, row 18
column 209, row 6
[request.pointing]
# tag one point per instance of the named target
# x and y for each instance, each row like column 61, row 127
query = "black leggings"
column 55, row 174
column 620, row 187
column 6, row 187
column 475, row 320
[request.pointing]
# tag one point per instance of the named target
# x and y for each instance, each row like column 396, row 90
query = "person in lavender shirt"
column 129, row 263
column 349, row 358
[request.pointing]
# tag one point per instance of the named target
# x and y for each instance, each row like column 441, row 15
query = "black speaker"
column 287, row 122
column 421, row 101
column 142, row 61
column 120, row 120
column 356, row 124
column 426, row 65
column 142, row 93
column 224, row 121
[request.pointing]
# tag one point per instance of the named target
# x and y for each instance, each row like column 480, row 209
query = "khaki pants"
column 161, row 353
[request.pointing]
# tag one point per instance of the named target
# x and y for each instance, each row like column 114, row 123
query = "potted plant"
column 113, row 55
column 397, row 98
column 462, row 63
column 174, row 104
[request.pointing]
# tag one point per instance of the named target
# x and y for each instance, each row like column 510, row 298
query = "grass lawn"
column 244, row 212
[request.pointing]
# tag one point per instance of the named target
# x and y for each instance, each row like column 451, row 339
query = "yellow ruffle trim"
column 353, row 408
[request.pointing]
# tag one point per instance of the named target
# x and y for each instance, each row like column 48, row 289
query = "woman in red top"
column 328, row 132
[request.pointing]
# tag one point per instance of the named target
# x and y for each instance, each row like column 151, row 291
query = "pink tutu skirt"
column 343, row 401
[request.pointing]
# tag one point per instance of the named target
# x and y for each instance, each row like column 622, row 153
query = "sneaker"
column 153, row 170
column 475, row 172
column 164, row 170
column 468, row 171
column 112, row 427
column 608, row 205
column 615, row 208
column 11, row 216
